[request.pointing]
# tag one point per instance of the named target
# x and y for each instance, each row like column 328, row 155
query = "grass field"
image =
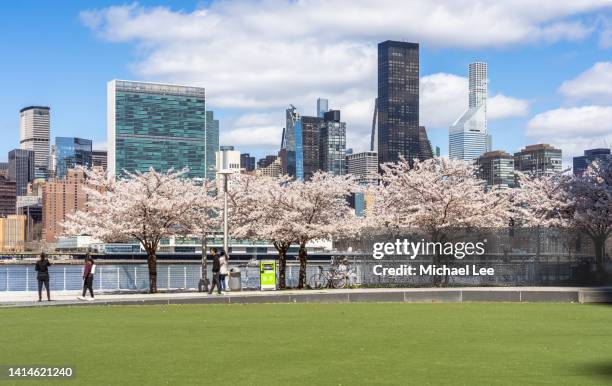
column 335, row 344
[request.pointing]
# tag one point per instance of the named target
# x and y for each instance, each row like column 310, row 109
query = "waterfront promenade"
column 426, row 295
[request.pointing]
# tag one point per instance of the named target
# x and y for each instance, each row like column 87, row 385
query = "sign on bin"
column 267, row 275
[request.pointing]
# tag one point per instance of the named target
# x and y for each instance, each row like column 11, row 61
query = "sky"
column 550, row 66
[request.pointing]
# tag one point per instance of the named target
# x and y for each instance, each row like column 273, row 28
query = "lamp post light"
column 226, row 173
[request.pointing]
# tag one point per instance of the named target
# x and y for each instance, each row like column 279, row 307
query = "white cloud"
column 265, row 54
column 573, row 129
column 594, row 85
column 501, row 107
column 444, row 97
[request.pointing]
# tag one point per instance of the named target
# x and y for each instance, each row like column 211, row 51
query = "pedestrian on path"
column 216, row 268
column 42, row 275
column 223, row 270
column 89, row 268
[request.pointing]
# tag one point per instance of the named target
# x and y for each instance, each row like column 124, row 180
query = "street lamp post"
column 226, row 173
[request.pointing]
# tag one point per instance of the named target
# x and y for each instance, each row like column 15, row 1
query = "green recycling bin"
column 267, row 275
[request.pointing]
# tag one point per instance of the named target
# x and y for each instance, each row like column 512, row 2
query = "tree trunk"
column 152, row 263
column 282, row 264
column 599, row 243
column 303, row 262
column 204, row 279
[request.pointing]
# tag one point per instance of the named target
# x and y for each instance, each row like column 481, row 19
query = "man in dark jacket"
column 216, row 267
column 42, row 275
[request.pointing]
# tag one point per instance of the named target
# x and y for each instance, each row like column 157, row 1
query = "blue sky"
column 550, row 71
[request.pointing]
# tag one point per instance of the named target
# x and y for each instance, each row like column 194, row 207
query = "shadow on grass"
column 602, row 370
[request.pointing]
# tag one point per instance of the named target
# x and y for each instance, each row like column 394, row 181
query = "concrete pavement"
column 465, row 294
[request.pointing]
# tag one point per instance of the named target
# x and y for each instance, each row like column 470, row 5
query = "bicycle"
column 328, row 279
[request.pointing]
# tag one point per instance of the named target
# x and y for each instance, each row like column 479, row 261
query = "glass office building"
column 212, row 145
column 71, row 152
column 397, row 104
column 159, row 126
column 21, row 169
column 332, row 144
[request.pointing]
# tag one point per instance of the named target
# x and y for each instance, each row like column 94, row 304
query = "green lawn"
column 335, row 344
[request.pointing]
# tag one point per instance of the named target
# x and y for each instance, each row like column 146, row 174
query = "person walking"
column 223, row 270
column 89, row 268
column 42, row 275
column 216, row 268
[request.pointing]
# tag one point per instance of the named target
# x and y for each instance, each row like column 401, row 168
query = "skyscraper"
column 322, row 107
column 310, row 145
column 497, row 168
column 332, row 144
column 71, row 152
column 21, row 169
column 468, row 136
column 212, row 145
column 581, row 163
column 364, row 166
column 159, row 126
column 99, row 159
column 539, row 160
column 62, row 197
column 34, row 134
column 398, row 103
column 292, row 153
column 8, row 198
column 247, row 162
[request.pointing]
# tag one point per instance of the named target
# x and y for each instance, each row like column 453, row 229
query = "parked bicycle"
column 338, row 276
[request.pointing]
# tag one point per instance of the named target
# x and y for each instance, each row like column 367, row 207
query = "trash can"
column 235, row 280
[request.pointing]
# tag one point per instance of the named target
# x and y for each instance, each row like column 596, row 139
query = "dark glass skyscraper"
column 21, row 169
column 332, row 144
column 247, row 162
column 71, row 152
column 398, row 102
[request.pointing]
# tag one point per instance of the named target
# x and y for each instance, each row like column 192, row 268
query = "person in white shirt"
column 224, row 270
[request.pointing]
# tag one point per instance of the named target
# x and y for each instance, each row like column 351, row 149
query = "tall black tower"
column 398, row 103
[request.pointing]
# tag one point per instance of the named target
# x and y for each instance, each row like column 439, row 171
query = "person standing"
column 216, row 268
column 42, row 275
column 89, row 268
column 223, row 270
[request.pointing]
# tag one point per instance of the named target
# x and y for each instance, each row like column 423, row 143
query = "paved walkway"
column 469, row 294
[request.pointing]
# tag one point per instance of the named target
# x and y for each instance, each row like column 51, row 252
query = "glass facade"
column 21, row 169
column 71, row 152
column 398, row 102
column 332, row 144
column 212, row 144
column 539, row 160
column 157, row 126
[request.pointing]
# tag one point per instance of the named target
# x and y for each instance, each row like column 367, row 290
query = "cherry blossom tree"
column 205, row 218
column 258, row 211
column 435, row 196
column 542, row 200
column 145, row 206
column 592, row 206
column 318, row 209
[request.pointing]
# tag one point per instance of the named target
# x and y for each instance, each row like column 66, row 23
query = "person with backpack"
column 42, row 275
column 89, row 268
column 216, row 268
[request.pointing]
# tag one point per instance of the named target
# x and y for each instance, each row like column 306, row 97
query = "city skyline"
column 555, row 89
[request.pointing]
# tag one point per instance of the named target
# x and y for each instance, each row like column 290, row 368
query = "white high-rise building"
column 34, row 134
column 468, row 136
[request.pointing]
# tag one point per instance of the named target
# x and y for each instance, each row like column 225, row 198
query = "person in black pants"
column 42, row 274
column 216, row 267
column 88, row 275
